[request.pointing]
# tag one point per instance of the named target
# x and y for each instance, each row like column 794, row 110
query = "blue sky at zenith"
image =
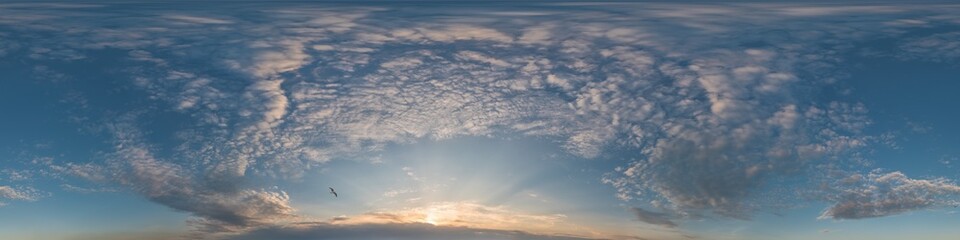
column 472, row 120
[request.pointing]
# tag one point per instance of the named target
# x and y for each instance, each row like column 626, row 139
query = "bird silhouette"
column 333, row 192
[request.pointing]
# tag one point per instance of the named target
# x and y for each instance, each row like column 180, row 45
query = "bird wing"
column 335, row 194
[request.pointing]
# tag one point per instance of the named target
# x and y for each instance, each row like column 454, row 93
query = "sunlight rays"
column 475, row 183
column 470, row 215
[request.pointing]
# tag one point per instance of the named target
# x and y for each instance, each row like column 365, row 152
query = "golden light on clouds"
column 474, row 215
column 431, row 218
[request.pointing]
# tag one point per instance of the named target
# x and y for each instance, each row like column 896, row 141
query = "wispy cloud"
column 221, row 204
column 72, row 188
column 197, row 19
column 941, row 47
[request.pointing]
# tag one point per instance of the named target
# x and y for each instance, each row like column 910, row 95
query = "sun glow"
column 441, row 215
column 473, row 215
column 431, row 217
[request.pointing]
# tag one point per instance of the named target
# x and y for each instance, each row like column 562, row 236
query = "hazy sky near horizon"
column 471, row 120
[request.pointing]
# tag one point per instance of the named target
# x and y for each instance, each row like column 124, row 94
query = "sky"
column 472, row 120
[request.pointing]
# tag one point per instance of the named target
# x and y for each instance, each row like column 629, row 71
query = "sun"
column 431, row 218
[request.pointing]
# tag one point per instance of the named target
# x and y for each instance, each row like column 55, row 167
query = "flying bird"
column 333, row 192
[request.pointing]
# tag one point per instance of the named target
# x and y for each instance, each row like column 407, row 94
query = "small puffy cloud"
column 559, row 82
column 16, row 175
column 883, row 194
column 11, row 193
column 18, row 194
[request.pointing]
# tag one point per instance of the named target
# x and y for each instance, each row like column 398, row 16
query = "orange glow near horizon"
column 474, row 215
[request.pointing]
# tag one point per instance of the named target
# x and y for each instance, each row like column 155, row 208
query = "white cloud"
column 72, row 188
column 8, row 192
column 708, row 121
column 559, row 82
column 16, row 175
column 218, row 201
column 480, row 57
column 882, row 194
column 401, row 63
column 536, row 35
column 273, row 99
column 463, row 32
column 19, row 194
column 285, row 56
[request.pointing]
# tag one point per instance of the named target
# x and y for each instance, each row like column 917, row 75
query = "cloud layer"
column 713, row 105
